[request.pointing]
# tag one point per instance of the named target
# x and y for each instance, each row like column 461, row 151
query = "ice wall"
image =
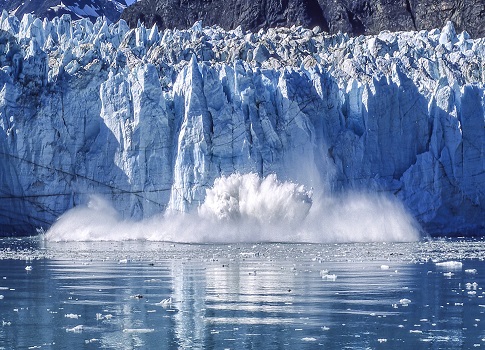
column 150, row 119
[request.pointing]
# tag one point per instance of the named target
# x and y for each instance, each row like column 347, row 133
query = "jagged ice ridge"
column 150, row 119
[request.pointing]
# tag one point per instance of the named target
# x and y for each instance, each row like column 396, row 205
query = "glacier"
column 150, row 119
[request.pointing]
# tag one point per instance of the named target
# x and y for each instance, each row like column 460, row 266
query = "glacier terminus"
column 151, row 120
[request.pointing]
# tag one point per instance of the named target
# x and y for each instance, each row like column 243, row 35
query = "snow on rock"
column 150, row 119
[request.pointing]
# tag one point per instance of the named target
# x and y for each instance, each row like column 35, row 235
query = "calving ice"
column 190, row 121
column 245, row 209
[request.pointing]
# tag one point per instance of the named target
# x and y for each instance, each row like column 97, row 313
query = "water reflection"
column 142, row 295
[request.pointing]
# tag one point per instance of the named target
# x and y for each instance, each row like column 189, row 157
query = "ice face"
column 149, row 119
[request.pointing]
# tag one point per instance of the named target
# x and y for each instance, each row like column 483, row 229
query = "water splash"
column 247, row 208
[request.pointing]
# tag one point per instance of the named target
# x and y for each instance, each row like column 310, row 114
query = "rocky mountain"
column 150, row 119
column 349, row 16
column 78, row 9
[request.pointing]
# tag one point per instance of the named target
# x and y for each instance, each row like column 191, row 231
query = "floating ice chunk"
column 75, row 316
column 100, row 317
column 456, row 265
column 326, row 276
column 382, row 340
column 329, row 277
column 308, row 339
column 138, row 330
column 471, row 286
column 384, row 267
column 76, row 329
column 448, row 274
column 471, row 271
column 153, row 280
column 1, row 297
column 166, row 302
column 28, row 268
column 123, row 261
column 404, row 302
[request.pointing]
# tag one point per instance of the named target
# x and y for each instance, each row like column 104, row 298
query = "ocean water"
column 152, row 295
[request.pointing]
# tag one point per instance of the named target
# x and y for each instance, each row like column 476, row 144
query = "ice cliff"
column 150, row 119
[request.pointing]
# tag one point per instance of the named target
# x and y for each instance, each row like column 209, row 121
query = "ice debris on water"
column 471, row 271
column 330, row 277
column 326, row 276
column 309, row 339
column 404, row 302
column 166, row 302
column 76, row 329
column 471, row 286
column 138, row 330
column 100, row 317
column 384, row 267
column 28, row 268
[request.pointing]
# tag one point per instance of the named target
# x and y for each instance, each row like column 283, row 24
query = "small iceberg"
column 166, row 302
column 76, row 329
column 138, row 330
column 404, row 302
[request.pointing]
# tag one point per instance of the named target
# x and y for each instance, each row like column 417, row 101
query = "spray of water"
column 247, row 208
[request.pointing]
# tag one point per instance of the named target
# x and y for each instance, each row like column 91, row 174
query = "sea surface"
column 149, row 295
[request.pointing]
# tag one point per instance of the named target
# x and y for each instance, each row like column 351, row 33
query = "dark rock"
column 351, row 16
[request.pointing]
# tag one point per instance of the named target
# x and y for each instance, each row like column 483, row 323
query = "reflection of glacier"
column 150, row 119
column 218, row 303
column 272, row 303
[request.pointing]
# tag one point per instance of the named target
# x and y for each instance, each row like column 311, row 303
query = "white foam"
column 246, row 208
